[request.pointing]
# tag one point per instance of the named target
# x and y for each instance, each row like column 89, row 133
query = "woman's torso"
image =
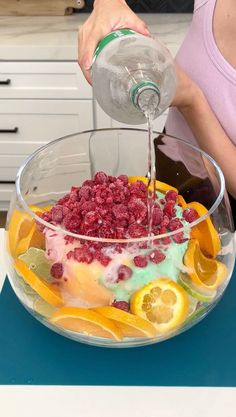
column 202, row 60
column 210, row 63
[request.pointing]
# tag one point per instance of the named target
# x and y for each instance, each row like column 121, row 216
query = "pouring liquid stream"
column 148, row 104
column 151, row 174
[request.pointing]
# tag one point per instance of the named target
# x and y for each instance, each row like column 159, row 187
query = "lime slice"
column 37, row 262
column 197, row 313
column 43, row 308
column 194, row 291
column 193, row 304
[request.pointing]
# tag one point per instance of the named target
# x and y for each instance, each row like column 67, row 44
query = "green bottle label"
column 110, row 37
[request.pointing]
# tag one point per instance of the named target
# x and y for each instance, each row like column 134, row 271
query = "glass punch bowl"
column 92, row 260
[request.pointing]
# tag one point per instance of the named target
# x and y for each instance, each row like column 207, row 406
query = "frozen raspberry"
column 74, row 194
column 89, row 183
column 63, row 200
column 111, row 179
column 100, row 177
column 171, row 195
column 143, row 245
column 72, row 222
column 165, row 221
column 69, row 239
column 91, row 217
column 99, row 200
column 169, row 209
column 157, row 256
column 166, row 240
column 57, row 270
column 57, row 214
column 106, row 231
column 140, row 261
column 70, row 254
column 88, row 206
column 109, row 200
column 120, row 232
column 122, row 305
column 190, row 215
column 138, row 209
column 137, row 230
column 179, row 237
column 120, row 212
column 103, row 259
column 83, row 255
column 157, row 215
column 85, row 192
column 175, row 224
column 124, row 179
column 124, row 273
column 47, row 216
column 118, row 248
column 139, row 189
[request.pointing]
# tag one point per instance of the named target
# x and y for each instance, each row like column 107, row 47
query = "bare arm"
column 206, row 128
column 107, row 15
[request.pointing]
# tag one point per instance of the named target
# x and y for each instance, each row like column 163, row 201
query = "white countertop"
column 55, row 38
column 89, row 401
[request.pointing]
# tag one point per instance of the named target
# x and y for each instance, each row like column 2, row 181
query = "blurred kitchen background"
column 43, row 94
column 153, row 6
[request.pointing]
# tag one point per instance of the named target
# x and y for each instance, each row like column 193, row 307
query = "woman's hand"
column 107, row 15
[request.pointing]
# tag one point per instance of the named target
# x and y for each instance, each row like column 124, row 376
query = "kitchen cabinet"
column 39, row 102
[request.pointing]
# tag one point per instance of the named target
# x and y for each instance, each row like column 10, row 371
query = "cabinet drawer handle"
column 15, row 130
column 5, row 82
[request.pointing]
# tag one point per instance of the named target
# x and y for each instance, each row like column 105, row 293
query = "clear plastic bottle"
column 132, row 75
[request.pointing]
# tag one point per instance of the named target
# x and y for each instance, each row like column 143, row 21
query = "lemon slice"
column 86, row 321
column 163, row 302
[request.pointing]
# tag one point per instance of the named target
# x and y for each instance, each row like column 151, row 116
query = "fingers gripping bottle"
column 132, row 74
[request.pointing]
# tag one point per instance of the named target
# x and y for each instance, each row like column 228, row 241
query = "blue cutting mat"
column 203, row 356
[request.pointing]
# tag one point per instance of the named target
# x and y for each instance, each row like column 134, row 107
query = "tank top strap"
column 200, row 3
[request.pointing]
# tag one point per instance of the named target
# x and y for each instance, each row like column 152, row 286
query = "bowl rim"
column 185, row 228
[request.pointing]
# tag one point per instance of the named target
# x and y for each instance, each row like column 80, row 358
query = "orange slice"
column 205, row 232
column 163, row 302
column 160, row 186
column 129, row 324
column 20, row 226
column 181, row 201
column 47, row 291
column 86, row 321
column 204, row 272
column 34, row 238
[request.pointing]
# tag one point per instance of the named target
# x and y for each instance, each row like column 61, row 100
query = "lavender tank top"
column 201, row 59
